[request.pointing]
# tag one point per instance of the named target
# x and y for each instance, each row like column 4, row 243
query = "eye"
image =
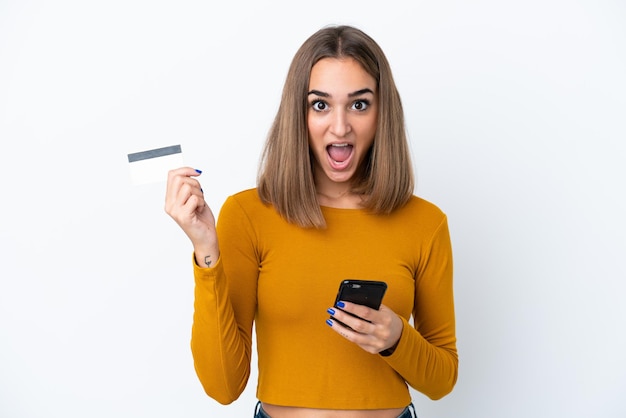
column 319, row 105
column 360, row 105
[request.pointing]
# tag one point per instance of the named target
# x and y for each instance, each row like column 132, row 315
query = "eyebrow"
column 353, row 94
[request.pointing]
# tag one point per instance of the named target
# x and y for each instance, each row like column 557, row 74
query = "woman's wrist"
column 206, row 256
column 389, row 351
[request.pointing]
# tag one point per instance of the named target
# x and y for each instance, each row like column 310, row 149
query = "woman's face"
column 341, row 118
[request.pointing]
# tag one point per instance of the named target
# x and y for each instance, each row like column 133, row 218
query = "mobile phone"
column 362, row 292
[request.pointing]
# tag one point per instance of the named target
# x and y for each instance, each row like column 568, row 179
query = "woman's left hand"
column 378, row 330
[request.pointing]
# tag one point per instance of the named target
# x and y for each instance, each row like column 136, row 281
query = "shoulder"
column 247, row 201
column 246, row 197
column 245, row 213
column 422, row 216
column 417, row 206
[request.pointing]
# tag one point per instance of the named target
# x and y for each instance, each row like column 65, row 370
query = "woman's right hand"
column 184, row 202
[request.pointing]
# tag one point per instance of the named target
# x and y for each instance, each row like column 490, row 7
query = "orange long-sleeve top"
column 282, row 278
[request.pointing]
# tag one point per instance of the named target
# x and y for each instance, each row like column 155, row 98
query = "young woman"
column 334, row 201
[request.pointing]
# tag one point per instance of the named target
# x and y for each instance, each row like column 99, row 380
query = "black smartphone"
column 362, row 292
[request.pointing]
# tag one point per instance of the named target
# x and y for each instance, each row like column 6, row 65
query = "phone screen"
column 362, row 292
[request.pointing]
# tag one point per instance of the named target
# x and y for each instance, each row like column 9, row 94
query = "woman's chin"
column 343, row 176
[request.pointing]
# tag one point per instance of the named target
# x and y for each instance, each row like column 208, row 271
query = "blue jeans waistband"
column 409, row 412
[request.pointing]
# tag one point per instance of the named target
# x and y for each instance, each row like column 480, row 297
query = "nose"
column 340, row 123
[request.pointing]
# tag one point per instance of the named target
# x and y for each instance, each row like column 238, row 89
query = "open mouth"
column 339, row 153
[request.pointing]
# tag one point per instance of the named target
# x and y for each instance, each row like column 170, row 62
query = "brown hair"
column 385, row 178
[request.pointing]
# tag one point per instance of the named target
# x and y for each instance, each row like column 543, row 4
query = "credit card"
column 151, row 166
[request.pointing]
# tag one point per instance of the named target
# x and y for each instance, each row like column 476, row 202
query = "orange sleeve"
column 224, row 309
column 426, row 355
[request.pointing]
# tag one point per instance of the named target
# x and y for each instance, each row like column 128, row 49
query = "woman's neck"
column 339, row 198
column 336, row 194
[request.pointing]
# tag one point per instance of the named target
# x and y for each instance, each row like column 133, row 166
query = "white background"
column 517, row 117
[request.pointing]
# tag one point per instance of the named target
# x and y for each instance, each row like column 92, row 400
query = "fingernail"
column 329, row 322
column 330, row 311
column 341, row 304
column 198, row 171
